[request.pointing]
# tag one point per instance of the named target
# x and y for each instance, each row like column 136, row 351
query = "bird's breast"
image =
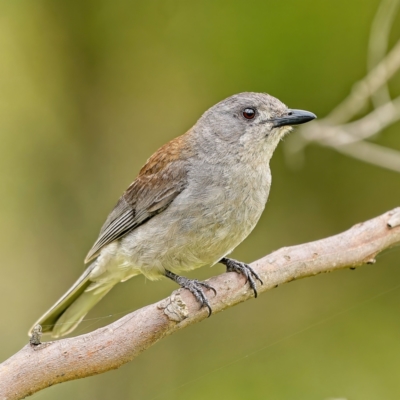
column 228, row 204
column 216, row 211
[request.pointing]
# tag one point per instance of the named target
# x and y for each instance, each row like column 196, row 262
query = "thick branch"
column 38, row 366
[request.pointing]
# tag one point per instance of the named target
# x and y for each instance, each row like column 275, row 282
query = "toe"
column 207, row 286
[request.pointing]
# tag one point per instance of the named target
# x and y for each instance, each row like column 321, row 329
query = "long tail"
column 69, row 311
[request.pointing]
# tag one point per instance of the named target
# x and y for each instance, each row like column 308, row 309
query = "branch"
column 347, row 139
column 378, row 43
column 365, row 88
column 36, row 367
column 335, row 131
column 363, row 128
column 372, row 153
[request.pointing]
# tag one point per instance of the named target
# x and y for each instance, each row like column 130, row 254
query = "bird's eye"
column 249, row 113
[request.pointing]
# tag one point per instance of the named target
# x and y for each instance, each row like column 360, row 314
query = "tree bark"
column 36, row 367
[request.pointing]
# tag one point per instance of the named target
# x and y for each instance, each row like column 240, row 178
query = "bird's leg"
column 194, row 286
column 244, row 269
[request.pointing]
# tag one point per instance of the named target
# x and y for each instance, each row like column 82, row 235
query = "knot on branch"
column 174, row 308
column 36, row 336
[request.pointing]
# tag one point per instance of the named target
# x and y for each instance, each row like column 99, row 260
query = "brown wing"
column 161, row 179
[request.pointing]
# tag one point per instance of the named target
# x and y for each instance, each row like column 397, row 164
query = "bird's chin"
column 280, row 132
column 285, row 130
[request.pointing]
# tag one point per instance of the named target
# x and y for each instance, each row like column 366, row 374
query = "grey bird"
column 193, row 202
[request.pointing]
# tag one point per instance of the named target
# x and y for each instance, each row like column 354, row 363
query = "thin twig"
column 372, row 153
column 378, row 43
column 362, row 128
column 375, row 121
column 349, row 137
column 365, row 88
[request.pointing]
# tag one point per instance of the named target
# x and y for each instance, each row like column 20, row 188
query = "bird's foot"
column 244, row 269
column 194, row 286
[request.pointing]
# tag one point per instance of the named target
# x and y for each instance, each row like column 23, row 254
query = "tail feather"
column 74, row 314
column 71, row 308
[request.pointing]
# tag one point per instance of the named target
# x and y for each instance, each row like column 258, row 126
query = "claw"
column 244, row 269
column 195, row 287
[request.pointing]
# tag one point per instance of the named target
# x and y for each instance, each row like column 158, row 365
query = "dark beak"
column 294, row 117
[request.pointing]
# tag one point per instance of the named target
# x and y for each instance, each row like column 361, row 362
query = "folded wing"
column 159, row 182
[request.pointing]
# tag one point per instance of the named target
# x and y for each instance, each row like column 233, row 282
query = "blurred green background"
column 90, row 89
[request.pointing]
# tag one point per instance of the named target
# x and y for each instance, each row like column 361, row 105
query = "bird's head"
column 252, row 120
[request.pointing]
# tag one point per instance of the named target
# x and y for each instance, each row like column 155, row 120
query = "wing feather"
column 159, row 182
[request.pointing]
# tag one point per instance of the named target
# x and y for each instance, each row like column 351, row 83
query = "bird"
column 193, row 202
